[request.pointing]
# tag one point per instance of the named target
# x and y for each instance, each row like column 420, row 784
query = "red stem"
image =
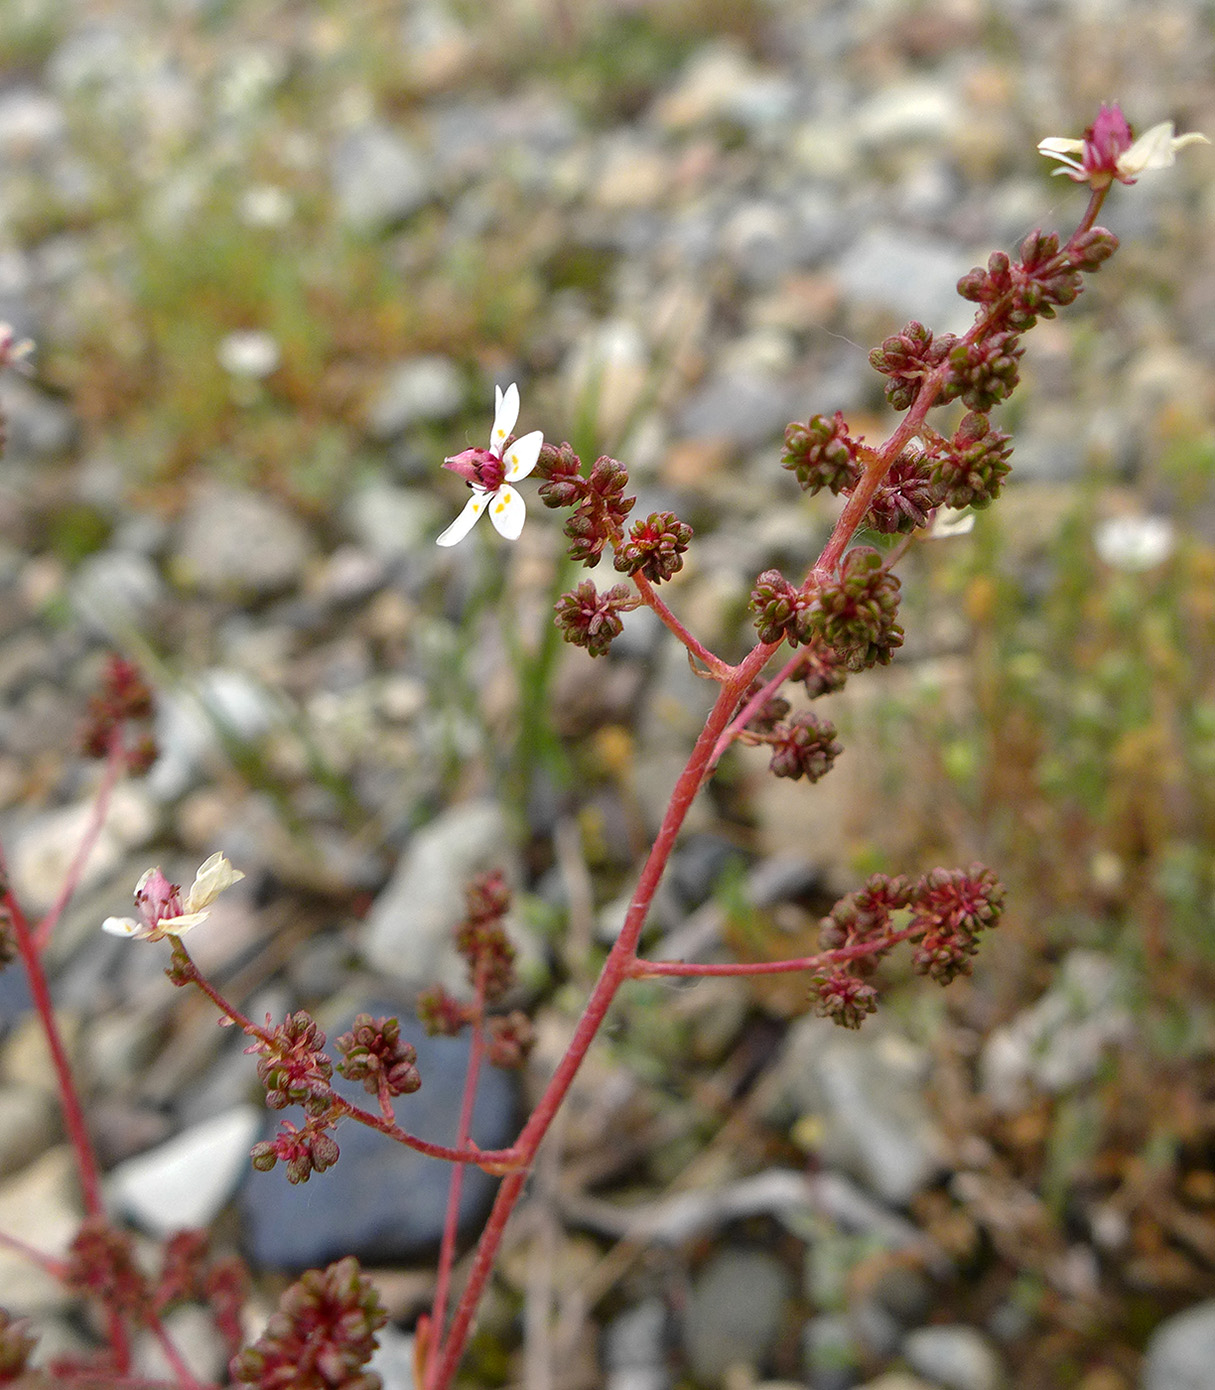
column 616, row 970
column 115, row 757
column 447, row 1250
column 645, row 969
column 719, row 669
column 69, row 1099
column 188, row 972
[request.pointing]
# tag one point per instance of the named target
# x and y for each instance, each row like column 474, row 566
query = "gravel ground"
column 274, row 259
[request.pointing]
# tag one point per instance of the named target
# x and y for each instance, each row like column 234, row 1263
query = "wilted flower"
column 161, row 909
column 489, row 472
column 1109, row 150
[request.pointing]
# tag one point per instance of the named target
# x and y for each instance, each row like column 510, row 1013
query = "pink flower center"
column 156, row 898
column 1106, row 140
column 479, row 468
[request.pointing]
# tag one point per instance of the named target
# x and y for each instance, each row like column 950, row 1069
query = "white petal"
column 506, row 412
column 211, row 880
column 463, row 524
column 507, row 512
column 1059, row 148
column 124, row 926
column 1153, row 150
column 178, row 926
column 522, row 455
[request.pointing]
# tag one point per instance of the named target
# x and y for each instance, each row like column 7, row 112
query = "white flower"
column 1108, row 150
column 161, row 909
column 489, row 472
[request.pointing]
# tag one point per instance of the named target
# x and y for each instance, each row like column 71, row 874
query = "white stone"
column 187, row 1180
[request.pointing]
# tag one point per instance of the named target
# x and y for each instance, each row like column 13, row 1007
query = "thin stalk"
column 101, row 805
column 648, row 969
column 69, row 1099
column 447, row 1249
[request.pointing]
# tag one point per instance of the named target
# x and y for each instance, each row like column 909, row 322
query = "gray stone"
column 392, row 522
column 198, row 1342
column 408, row 932
column 193, row 724
column 115, row 593
column 30, row 121
column 925, row 110
column 393, row 1361
column 637, row 1338
column 829, row 1352
column 910, row 274
column 379, row 179
column 1181, row 1351
column 189, row 1178
column 424, row 388
column 36, row 426
column 1059, row 1042
column 954, row 1357
column 237, row 544
column 734, row 1313
column 868, row 1090
column 745, row 409
column 382, row 1201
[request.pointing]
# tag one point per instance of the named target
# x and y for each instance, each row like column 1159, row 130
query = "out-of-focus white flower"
column 1134, row 543
column 162, row 912
column 489, row 472
column 249, row 353
column 1109, row 151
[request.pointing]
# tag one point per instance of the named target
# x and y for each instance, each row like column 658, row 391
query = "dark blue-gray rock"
column 379, row 178
column 735, row 1310
column 954, row 1357
column 382, row 1201
column 1181, row 1352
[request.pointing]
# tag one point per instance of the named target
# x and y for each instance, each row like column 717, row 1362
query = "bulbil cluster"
column 943, row 914
column 123, row 702
column 321, row 1335
column 482, row 940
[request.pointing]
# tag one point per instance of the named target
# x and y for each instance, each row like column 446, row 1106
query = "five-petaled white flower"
column 490, row 472
column 1109, row 150
column 161, row 909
